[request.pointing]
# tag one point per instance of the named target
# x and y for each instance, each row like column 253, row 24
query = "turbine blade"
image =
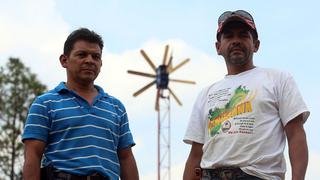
column 141, row 73
column 179, row 65
column 165, row 55
column 144, row 88
column 169, row 66
column 148, row 60
column 157, row 100
column 183, row 81
column 175, row 97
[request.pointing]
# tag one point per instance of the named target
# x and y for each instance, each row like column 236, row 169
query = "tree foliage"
column 18, row 88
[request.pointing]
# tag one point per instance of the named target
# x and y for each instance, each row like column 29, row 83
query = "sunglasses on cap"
column 243, row 14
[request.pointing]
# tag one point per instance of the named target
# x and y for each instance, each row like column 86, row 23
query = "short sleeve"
column 291, row 103
column 38, row 123
column 125, row 136
column 196, row 127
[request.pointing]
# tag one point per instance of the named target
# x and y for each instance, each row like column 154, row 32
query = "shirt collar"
column 62, row 88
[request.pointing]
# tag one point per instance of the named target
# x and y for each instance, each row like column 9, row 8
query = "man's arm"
column 298, row 149
column 128, row 166
column 193, row 161
column 33, row 152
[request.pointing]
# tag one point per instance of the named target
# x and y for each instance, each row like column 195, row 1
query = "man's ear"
column 218, row 45
column 63, row 60
column 256, row 45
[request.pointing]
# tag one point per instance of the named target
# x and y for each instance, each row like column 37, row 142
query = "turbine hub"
column 162, row 77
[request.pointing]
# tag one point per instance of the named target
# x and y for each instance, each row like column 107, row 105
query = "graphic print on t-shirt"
column 229, row 118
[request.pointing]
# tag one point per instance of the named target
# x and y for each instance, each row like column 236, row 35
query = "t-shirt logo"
column 220, row 117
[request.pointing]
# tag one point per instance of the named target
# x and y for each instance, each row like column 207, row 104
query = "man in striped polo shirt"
column 76, row 129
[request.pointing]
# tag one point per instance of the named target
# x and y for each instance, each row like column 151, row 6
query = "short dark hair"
column 81, row 34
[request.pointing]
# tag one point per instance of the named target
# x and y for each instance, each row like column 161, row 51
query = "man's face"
column 236, row 44
column 83, row 63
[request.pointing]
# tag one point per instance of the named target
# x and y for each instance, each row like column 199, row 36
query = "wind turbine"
column 161, row 79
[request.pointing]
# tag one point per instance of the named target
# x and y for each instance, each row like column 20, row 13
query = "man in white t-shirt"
column 239, row 125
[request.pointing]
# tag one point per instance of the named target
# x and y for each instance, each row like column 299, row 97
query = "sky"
column 35, row 31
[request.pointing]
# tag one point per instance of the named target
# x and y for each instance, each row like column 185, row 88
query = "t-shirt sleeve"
column 37, row 124
column 125, row 136
column 291, row 103
column 196, row 127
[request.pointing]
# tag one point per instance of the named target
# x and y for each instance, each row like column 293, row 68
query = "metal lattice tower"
column 164, row 138
column 162, row 106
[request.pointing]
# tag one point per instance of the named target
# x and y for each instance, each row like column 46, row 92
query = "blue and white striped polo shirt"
column 80, row 138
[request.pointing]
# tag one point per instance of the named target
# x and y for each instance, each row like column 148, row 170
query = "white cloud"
column 34, row 32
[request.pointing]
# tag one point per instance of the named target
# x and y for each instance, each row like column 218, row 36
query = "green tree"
column 18, row 88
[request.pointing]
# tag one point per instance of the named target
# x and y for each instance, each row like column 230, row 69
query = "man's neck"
column 81, row 87
column 236, row 69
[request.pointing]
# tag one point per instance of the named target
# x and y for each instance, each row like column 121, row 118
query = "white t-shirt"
column 240, row 121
